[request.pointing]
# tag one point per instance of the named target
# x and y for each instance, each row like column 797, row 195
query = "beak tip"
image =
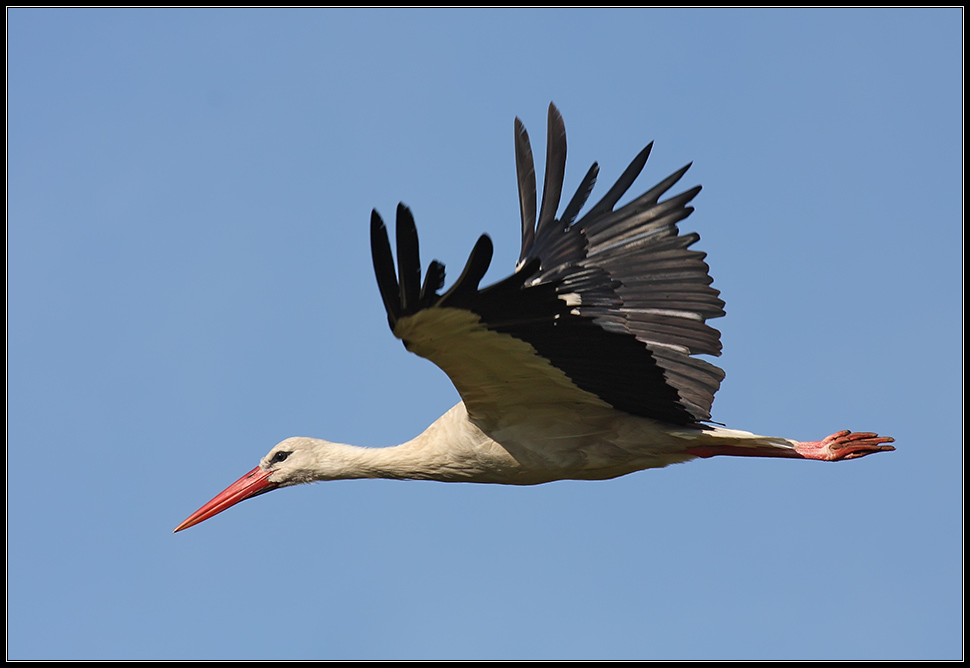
column 185, row 525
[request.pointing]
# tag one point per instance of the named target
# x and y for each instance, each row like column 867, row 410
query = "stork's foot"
column 844, row 445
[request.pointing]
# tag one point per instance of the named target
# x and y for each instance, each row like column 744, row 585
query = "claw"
column 844, row 445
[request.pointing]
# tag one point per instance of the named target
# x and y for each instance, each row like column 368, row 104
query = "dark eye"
column 280, row 457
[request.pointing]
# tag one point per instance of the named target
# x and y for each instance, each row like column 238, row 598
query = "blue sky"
column 189, row 282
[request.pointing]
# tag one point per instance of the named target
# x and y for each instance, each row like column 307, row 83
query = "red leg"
column 844, row 445
column 841, row 445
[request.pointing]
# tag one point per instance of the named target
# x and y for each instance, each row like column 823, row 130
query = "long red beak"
column 254, row 483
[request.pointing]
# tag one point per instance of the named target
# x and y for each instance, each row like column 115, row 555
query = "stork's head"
column 290, row 462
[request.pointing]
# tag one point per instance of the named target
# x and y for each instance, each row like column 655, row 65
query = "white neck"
column 408, row 461
column 452, row 449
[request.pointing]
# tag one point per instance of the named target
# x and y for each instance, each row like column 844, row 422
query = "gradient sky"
column 189, row 282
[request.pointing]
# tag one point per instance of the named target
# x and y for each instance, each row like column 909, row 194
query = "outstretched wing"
column 606, row 310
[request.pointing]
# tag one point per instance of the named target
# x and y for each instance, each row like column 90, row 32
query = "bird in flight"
column 580, row 365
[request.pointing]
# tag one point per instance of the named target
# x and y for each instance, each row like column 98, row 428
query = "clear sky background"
column 189, row 282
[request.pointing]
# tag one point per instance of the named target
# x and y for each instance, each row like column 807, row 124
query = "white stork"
column 580, row 365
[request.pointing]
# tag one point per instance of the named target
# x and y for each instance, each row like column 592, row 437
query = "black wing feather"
column 384, row 268
column 525, row 172
column 582, row 194
column 408, row 260
column 555, row 172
